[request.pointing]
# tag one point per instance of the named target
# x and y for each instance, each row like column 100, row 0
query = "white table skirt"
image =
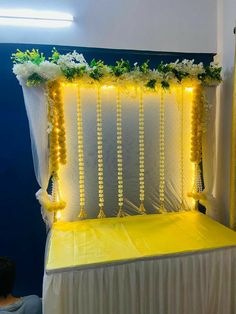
column 193, row 283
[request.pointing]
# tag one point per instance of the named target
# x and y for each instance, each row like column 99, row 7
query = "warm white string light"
column 82, row 212
column 101, row 213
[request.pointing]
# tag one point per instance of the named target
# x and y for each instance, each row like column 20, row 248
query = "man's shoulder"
column 33, row 302
column 32, row 298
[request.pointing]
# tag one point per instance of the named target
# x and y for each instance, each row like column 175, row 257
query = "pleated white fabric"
column 195, row 283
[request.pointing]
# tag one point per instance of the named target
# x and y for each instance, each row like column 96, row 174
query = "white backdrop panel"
column 130, row 111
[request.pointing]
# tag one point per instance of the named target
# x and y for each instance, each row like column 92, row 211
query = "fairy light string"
column 121, row 212
column 101, row 213
column 141, row 154
column 82, row 211
column 162, row 153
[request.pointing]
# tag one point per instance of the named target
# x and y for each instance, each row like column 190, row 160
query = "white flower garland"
column 34, row 69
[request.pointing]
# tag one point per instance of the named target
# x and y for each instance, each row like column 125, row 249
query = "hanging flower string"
column 121, row 212
column 57, row 141
column 199, row 109
column 60, row 122
column 82, row 211
column 101, row 213
column 57, row 149
column 182, row 206
column 141, row 154
column 57, row 132
column 54, row 153
column 162, row 154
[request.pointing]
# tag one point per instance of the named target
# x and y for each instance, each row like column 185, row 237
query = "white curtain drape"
column 197, row 283
column 209, row 156
column 232, row 212
column 37, row 113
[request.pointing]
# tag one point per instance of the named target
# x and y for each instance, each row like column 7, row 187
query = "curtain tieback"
column 47, row 202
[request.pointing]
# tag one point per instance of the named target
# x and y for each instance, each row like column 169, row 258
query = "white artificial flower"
column 214, row 64
column 79, row 57
column 49, row 70
column 46, row 69
column 24, row 70
column 50, row 127
column 72, row 60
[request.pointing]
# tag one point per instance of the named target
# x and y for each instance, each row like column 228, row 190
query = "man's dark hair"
column 7, row 276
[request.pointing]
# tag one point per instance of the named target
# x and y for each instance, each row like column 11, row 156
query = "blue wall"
column 22, row 231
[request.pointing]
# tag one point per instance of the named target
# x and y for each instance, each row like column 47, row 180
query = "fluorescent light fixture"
column 33, row 18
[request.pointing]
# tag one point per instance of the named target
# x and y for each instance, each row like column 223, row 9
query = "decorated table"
column 171, row 263
column 134, row 147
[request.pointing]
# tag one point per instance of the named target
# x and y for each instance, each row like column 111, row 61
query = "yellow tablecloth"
column 95, row 241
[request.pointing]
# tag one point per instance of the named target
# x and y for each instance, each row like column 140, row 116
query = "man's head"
column 7, row 276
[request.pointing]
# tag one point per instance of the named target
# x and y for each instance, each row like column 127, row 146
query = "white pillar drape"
column 37, row 113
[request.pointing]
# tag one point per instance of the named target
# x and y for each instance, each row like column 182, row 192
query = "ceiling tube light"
column 33, row 18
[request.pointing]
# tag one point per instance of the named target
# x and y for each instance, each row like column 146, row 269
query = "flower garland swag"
column 199, row 110
column 34, row 69
column 57, row 148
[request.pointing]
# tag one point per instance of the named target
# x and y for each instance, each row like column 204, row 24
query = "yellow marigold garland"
column 56, row 118
column 61, row 122
column 57, row 147
column 199, row 107
column 53, row 135
column 197, row 127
